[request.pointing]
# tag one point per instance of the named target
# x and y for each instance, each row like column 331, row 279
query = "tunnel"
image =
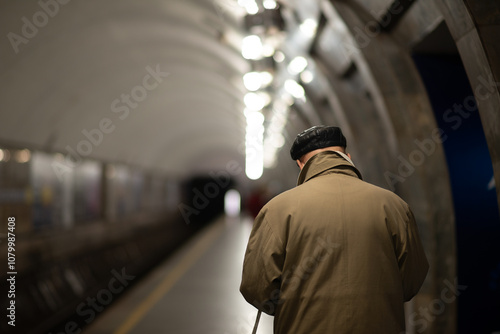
column 126, row 128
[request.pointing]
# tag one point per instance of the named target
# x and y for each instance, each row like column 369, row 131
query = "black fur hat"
column 318, row 136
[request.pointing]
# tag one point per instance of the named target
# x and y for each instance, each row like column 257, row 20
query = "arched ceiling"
column 152, row 74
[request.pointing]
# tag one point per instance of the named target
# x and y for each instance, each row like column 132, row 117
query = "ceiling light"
column 279, row 56
column 250, row 6
column 252, row 81
column 254, row 145
column 252, row 47
column 253, row 101
column 269, row 4
column 268, row 50
column 277, row 140
column 306, row 76
column 254, row 118
column 266, row 78
column 308, row 27
column 294, row 89
column 297, row 65
column 266, row 97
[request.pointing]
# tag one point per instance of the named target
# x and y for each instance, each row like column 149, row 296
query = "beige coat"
column 334, row 254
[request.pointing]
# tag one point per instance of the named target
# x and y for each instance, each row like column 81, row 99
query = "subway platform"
column 195, row 290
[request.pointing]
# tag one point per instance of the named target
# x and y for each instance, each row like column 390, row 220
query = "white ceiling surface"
column 65, row 79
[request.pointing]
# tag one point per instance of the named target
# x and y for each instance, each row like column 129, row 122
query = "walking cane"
column 256, row 322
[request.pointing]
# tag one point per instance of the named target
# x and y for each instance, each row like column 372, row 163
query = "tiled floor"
column 195, row 291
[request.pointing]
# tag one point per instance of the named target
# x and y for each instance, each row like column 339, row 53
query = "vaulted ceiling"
column 149, row 83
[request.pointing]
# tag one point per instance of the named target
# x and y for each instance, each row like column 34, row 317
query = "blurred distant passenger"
column 334, row 254
column 258, row 197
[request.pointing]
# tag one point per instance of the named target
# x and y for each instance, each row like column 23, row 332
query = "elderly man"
column 334, row 254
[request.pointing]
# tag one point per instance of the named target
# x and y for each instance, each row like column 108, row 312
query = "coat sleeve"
column 412, row 261
column 262, row 266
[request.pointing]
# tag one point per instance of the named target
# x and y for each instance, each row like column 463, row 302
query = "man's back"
column 340, row 253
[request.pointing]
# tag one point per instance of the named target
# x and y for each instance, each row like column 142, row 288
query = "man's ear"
column 349, row 156
column 300, row 164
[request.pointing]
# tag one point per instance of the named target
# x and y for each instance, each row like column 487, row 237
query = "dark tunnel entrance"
column 471, row 178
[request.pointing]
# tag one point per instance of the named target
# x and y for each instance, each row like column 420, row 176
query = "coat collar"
column 325, row 163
